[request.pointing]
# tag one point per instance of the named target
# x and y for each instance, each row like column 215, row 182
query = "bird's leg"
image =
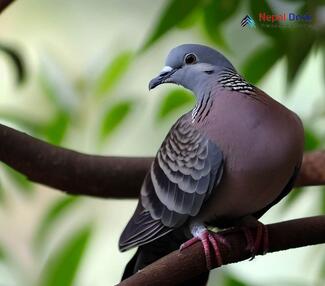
column 208, row 239
column 261, row 239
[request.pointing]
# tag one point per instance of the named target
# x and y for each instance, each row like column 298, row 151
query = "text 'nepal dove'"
column 223, row 164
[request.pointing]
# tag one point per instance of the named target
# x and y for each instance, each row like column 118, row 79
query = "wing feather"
column 181, row 178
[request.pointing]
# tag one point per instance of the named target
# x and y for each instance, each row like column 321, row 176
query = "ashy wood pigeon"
column 222, row 164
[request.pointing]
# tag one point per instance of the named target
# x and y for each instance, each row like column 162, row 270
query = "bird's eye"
column 190, row 59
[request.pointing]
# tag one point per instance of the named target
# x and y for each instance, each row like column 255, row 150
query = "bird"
column 223, row 164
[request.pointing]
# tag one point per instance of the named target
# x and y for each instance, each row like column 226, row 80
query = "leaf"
column 312, row 142
column 322, row 201
column 19, row 179
column 257, row 7
column 62, row 267
column 215, row 13
column 53, row 214
column 114, row 116
column 56, row 86
column 292, row 197
column 260, row 62
column 113, row 73
column 54, row 132
column 2, row 194
column 230, row 280
column 3, row 253
column 173, row 14
column 17, row 61
column 297, row 50
column 174, row 100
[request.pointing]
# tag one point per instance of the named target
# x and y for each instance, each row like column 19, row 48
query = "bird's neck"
column 203, row 104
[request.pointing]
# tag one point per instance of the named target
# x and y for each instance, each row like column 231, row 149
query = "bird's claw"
column 261, row 239
column 208, row 239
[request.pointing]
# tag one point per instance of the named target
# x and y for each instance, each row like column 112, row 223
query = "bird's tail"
column 148, row 253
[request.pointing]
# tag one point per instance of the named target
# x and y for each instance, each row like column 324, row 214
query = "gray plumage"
column 234, row 155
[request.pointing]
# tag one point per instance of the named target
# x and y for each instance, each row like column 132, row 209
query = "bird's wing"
column 187, row 167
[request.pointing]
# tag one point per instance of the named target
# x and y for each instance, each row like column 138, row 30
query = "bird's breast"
column 262, row 143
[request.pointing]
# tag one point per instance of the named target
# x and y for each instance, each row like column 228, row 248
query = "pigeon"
column 223, row 164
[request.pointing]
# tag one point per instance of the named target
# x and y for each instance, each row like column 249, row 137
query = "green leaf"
column 2, row 194
column 62, row 267
column 57, row 87
column 260, row 62
column 113, row 73
column 175, row 12
column 17, row 61
column 114, row 116
column 53, row 214
column 19, row 179
column 297, row 50
column 292, row 197
column 3, row 253
column 54, row 132
column 257, row 7
column 215, row 13
column 312, row 142
column 230, row 280
column 322, row 201
column 174, row 100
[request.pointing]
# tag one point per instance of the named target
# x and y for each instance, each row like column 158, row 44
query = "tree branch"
column 178, row 267
column 100, row 176
column 4, row 4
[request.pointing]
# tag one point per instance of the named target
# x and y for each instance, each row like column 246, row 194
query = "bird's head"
column 191, row 65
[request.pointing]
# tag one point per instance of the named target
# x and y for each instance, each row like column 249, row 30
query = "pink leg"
column 206, row 237
column 261, row 240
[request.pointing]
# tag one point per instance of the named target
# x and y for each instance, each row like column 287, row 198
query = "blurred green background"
column 76, row 73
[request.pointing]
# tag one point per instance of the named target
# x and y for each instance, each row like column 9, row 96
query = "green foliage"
column 263, row 6
column 2, row 194
column 113, row 72
column 312, row 141
column 215, row 13
column 114, row 116
column 66, row 99
column 173, row 14
column 292, row 197
column 62, row 267
column 3, row 253
column 57, row 87
column 19, row 180
column 55, row 130
column 50, row 218
column 174, row 100
column 230, row 280
column 17, row 61
column 322, row 200
column 260, row 62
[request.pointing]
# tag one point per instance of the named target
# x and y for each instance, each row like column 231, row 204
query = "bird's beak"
column 163, row 76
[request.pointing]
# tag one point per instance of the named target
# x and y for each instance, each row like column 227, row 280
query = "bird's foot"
column 261, row 239
column 208, row 239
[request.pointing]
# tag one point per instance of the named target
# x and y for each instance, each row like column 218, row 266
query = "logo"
column 248, row 21
column 282, row 20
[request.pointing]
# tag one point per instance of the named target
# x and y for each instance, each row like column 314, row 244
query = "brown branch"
column 4, row 4
column 100, row 176
column 178, row 267
column 70, row 171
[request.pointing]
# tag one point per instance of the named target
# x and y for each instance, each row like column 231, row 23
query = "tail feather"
column 148, row 253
